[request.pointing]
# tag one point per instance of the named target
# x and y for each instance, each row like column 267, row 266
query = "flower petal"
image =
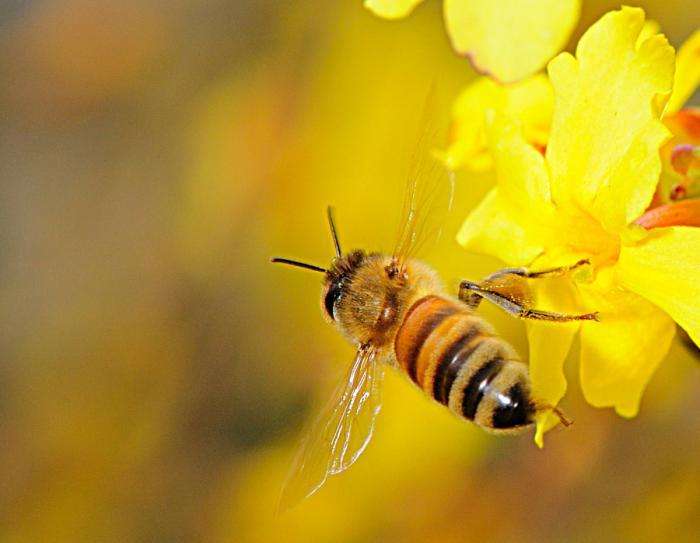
column 687, row 73
column 549, row 345
column 531, row 101
column 520, row 169
column 665, row 269
column 490, row 229
column 685, row 126
column 510, row 39
column 391, row 9
column 682, row 213
column 620, row 353
column 650, row 28
column 606, row 130
column 498, row 225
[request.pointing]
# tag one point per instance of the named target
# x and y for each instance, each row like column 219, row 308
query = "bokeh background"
column 156, row 370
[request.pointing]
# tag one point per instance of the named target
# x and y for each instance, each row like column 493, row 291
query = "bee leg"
column 518, row 308
column 469, row 294
column 527, row 274
column 563, row 419
column 507, row 288
column 535, row 314
column 566, row 421
column 550, row 272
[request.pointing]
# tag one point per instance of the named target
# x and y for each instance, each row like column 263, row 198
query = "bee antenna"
column 298, row 264
column 334, row 232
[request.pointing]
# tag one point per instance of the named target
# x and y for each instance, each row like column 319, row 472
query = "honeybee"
column 397, row 312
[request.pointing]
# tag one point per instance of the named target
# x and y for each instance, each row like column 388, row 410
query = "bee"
column 397, row 312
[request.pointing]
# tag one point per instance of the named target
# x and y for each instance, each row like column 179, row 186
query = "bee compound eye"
column 332, row 296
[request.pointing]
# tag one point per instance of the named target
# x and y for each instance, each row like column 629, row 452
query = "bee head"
column 361, row 292
column 338, row 279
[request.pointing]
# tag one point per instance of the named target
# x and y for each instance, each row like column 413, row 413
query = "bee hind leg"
column 506, row 279
column 563, row 419
column 507, row 288
column 471, row 294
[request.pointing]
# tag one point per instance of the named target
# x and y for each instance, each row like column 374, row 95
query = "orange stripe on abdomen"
column 422, row 319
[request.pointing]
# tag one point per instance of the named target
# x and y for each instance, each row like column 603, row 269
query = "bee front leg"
column 550, row 272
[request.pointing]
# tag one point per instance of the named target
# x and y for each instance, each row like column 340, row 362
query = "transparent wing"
column 429, row 191
column 341, row 432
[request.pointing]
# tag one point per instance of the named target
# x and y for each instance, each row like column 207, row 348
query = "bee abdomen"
column 455, row 358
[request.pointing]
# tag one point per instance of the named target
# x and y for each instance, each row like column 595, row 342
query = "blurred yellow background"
column 157, row 370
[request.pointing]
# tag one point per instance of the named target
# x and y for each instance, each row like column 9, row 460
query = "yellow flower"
column 507, row 40
column 531, row 101
column 681, row 155
column 581, row 200
column 687, row 73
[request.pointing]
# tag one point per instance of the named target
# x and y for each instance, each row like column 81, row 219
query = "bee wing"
column 429, row 190
column 340, row 433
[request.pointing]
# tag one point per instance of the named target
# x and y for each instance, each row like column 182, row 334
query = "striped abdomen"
column 455, row 358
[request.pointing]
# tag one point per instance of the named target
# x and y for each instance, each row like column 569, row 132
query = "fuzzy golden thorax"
column 367, row 298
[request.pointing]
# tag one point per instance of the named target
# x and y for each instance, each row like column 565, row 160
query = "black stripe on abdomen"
column 441, row 384
column 478, row 385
